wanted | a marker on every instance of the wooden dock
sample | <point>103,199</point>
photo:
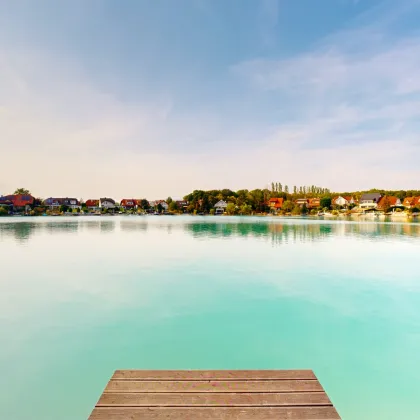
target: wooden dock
<point>214,395</point>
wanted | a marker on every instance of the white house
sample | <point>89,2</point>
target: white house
<point>343,201</point>
<point>107,203</point>
<point>220,207</point>
<point>369,200</point>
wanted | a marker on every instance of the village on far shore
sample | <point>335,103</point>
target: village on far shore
<point>303,201</point>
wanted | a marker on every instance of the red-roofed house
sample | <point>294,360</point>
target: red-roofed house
<point>388,201</point>
<point>409,202</point>
<point>416,202</point>
<point>128,203</point>
<point>275,203</point>
<point>21,202</point>
<point>92,204</point>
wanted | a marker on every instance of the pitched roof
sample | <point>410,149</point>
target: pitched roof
<point>128,202</point>
<point>221,204</point>
<point>371,196</point>
<point>278,202</point>
<point>107,199</point>
<point>92,203</point>
<point>392,201</point>
<point>408,201</point>
<point>21,200</point>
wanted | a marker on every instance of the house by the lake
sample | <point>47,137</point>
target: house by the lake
<point>128,203</point>
<point>56,203</point>
<point>92,205</point>
<point>275,204</point>
<point>107,203</point>
<point>343,201</point>
<point>369,200</point>
<point>302,202</point>
<point>314,203</point>
<point>18,202</point>
<point>220,207</point>
<point>388,201</point>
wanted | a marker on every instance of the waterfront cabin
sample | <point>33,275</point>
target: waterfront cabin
<point>220,207</point>
<point>18,202</point>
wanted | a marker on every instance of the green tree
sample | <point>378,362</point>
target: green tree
<point>144,204</point>
<point>63,208</point>
<point>288,206</point>
<point>173,206</point>
<point>246,209</point>
<point>286,189</point>
<point>23,191</point>
<point>212,212</point>
<point>295,190</point>
<point>3,211</point>
<point>169,200</point>
<point>297,210</point>
<point>159,208</point>
<point>230,208</point>
<point>325,202</point>
<point>304,209</point>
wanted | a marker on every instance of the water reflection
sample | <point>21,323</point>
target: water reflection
<point>279,231</point>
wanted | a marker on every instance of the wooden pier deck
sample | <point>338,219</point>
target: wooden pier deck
<point>214,395</point>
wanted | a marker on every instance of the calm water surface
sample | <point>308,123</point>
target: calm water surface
<point>81,297</point>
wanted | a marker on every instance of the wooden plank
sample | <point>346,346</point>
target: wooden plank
<point>213,399</point>
<point>258,413</point>
<point>214,386</point>
<point>191,375</point>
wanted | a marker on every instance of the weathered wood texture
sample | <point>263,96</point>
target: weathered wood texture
<point>214,395</point>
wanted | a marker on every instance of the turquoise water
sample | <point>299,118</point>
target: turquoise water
<point>81,297</point>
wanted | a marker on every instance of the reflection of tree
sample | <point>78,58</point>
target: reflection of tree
<point>281,233</point>
<point>20,231</point>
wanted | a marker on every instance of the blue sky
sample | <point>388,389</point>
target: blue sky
<point>157,98</point>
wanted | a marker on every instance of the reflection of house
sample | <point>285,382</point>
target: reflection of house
<point>369,200</point>
<point>128,203</point>
<point>220,207</point>
<point>344,201</point>
<point>56,203</point>
<point>314,203</point>
<point>275,204</point>
<point>302,202</point>
<point>107,203</point>
<point>388,201</point>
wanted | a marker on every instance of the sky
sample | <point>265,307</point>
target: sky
<point>157,98</point>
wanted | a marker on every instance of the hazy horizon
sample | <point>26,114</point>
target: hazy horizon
<point>157,99</point>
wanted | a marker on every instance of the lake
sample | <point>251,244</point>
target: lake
<point>83,296</point>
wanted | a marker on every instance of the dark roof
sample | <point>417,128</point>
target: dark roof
<point>371,196</point>
<point>61,201</point>
<point>108,199</point>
